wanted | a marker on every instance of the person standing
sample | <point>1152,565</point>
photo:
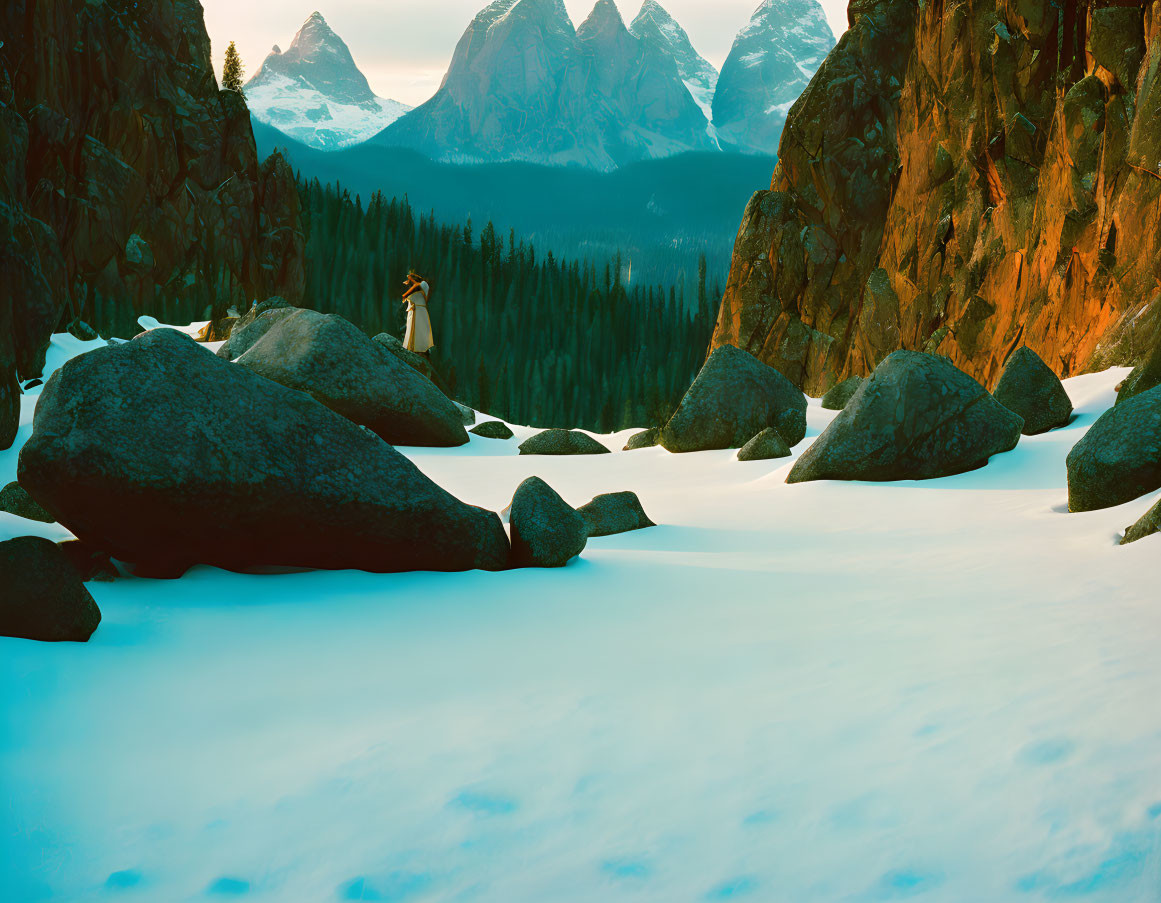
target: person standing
<point>418,337</point>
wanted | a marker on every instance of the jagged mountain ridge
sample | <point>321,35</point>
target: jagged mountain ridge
<point>525,85</point>
<point>962,180</point>
<point>656,27</point>
<point>770,64</point>
<point>315,93</point>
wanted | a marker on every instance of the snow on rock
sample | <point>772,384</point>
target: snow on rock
<point>819,692</point>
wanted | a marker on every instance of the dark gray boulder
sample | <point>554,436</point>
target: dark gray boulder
<point>547,532</point>
<point>837,397</point>
<point>614,512</point>
<point>14,500</point>
<point>1145,376</point>
<point>1149,524</point>
<point>492,429</point>
<point>732,399</point>
<point>252,325</point>
<point>333,361</point>
<point>166,456</point>
<point>644,439</point>
<point>1027,387</point>
<point>1119,458</point>
<point>917,417</point>
<point>562,442</point>
<point>766,445</point>
<point>467,415</point>
<point>41,595</point>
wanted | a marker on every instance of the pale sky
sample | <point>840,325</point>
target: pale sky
<point>404,46</point>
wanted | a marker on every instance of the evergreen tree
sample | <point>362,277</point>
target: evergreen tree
<point>232,71</point>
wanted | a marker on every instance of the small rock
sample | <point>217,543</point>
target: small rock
<point>1149,524</point>
<point>79,329</point>
<point>645,439</point>
<point>1030,389</point>
<point>546,531</point>
<point>33,383</point>
<point>838,396</point>
<point>15,500</point>
<point>43,598</point>
<point>614,512</point>
<point>562,442</point>
<point>492,429</point>
<point>766,445</point>
<point>469,416</point>
<point>1119,458</point>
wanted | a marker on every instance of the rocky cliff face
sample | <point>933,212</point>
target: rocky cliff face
<point>315,93</point>
<point>128,182</point>
<point>962,178</point>
<point>523,84</point>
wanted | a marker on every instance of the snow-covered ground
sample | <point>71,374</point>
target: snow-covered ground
<point>943,691</point>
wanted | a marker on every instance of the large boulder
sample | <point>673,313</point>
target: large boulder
<point>767,445</point>
<point>917,417</point>
<point>1145,376</point>
<point>42,596</point>
<point>1119,458</point>
<point>731,400</point>
<point>546,531</point>
<point>333,361</point>
<point>15,500</point>
<point>165,456</point>
<point>492,429</point>
<point>837,396</point>
<point>614,512</point>
<point>562,442</point>
<point>1030,389</point>
<point>644,439</point>
<point>1149,524</point>
<point>252,325</point>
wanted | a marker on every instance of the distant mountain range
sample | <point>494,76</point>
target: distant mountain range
<point>524,85</point>
<point>316,94</point>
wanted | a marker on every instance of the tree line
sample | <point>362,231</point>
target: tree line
<point>527,337</point>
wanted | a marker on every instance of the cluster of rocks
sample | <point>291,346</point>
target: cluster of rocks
<point>161,455</point>
<point>548,532</point>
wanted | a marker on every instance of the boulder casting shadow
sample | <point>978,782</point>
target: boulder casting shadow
<point>165,456</point>
<point>917,417</point>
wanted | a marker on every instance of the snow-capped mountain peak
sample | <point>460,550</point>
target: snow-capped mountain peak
<point>315,93</point>
<point>604,19</point>
<point>656,28</point>
<point>772,61</point>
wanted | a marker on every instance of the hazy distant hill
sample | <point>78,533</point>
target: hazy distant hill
<point>662,213</point>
